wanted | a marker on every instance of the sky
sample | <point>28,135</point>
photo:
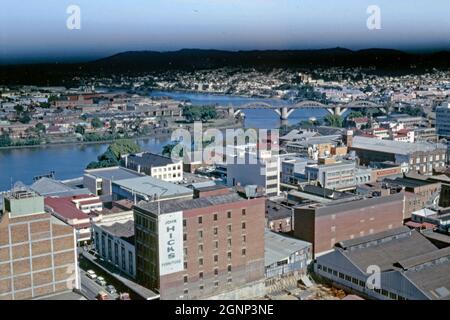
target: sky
<point>36,30</point>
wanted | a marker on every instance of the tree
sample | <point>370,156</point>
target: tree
<point>334,120</point>
<point>25,118</point>
<point>40,127</point>
<point>199,113</point>
<point>80,129</point>
<point>19,109</point>
<point>355,114</point>
<point>111,157</point>
<point>5,140</point>
<point>96,123</point>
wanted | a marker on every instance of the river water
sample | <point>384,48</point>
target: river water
<point>69,161</point>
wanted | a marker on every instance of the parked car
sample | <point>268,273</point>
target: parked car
<point>91,274</point>
<point>124,296</point>
<point>102,295</point>
<point>101,281</point>
<point>110,288</point>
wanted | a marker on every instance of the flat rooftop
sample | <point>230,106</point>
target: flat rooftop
<point>182,204</point>
<point>151,159</point>
<point>394,147</point>
<point>409,182</point>
<point>124,230</point>
<point>278,247</point>
<point>150,186</point>
<point>113,173</point>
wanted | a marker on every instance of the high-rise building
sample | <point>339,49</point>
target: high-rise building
<point>200,248</point>
<point>38,253</point>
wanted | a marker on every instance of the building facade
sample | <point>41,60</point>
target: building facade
<point>199,248</point>
<point>443,120</point>
<point>326,224</point>
<point>38,253</point>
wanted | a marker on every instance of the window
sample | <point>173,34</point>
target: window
<point>130,262</point>
<point>200,275</point>
<point>229,255</point>
<point>185,279</point>
<point>229,242</point>
<point>216,258</point>
<point>216,244</point>
<point>200,234</point>
<point>216,271</point>
<point>244,238</point>
<point>243,225</point>
<point>229,228</point>
<point>244,252</point>
<point>215,217</point>
<point>184,222</point>
<point>200,220</point>
<point>216,284</point>
<point>201,287</point>
<point>229,280</point>
<point>200,261</point>
<point>229,268</point>
<point>216,231</point>
<point>185,265</point>
<point>229,214</point>
<point>122,249</point>
<point>244,212</point>
<point>184,236</point>
<point>200,248</point>
<point>186,291</point>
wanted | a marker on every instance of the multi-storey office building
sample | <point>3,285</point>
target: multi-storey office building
<point>255,168</point>
<point>155,165</point>
<point>337,175</point>
<point>190,249</point>
<point>38,252</point>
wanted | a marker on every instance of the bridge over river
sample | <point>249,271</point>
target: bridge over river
<point>285,111</point>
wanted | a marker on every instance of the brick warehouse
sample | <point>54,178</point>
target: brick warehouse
<point>199,248</point>
<point>326,224</point>
<point>38,254</point>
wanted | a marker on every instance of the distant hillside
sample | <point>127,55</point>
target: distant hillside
<point>137,62</point>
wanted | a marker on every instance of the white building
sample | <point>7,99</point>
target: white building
<point>114,241</point>
<point>250,167</point>
<point>156,166</point>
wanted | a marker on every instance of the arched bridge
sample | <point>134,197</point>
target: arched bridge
<point>285,111</point>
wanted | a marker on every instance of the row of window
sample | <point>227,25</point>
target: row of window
<point>215,217</point>
<point>215,257</point>
<point>359,283</point>
<point>202,287</point>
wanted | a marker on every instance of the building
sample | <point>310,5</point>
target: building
<point>438,218</point>
<point>255,168</point>
<point>419,192</point>
<point>333,175</point>
<point>398,264</point>
<point>285,256</point>
<point>38,253</point>
<point>293,169</point>
<point>420,157</point>
<point>114,241</point>
<point>201,248</point>
<point>99,181</point>
<point>148,188</point>
<point>444,198</point>
<point>77,211</point>
<point>279,217</point>
<point>326,224</point>
<point>155,165</point>
<point>443,120</point>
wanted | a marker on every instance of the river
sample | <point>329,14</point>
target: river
<point>69,161</point>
